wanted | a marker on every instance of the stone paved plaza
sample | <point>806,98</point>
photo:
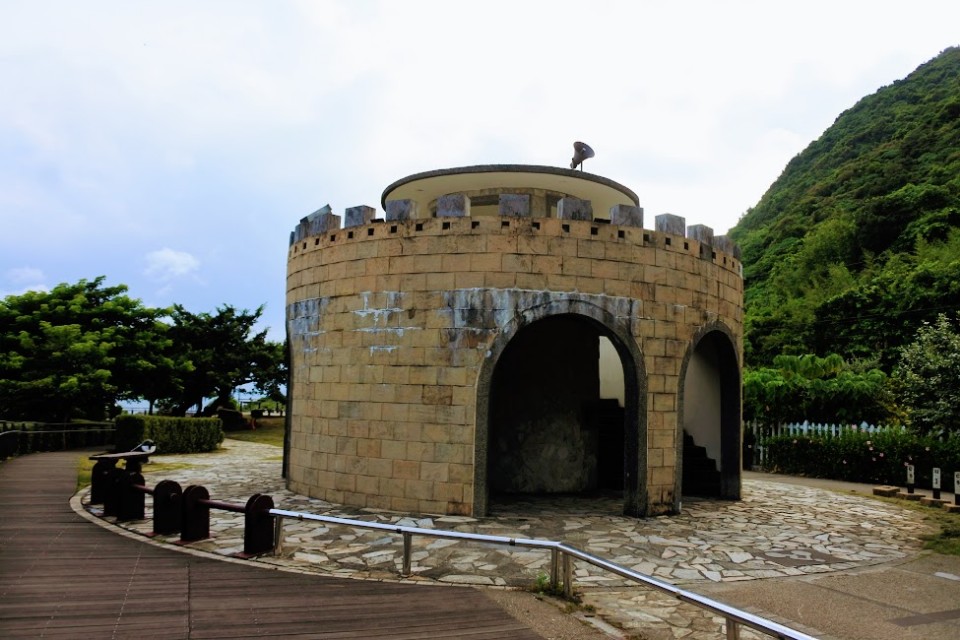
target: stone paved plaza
<point>776,531</point>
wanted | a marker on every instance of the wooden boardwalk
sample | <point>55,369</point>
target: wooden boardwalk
<point>63,577</point>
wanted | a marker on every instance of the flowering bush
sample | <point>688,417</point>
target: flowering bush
<point>857,456</point>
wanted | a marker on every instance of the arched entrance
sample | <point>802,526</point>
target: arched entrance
<point>542,425</point>
<point>710,416</point>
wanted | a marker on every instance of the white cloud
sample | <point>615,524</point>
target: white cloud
<point>168,264</point>
<point>24,275</point>
<point>23,279</point>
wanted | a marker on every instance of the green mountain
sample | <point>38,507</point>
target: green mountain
<point>858,241</point>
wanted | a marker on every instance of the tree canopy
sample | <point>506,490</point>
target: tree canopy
<point>224,354</point>
<point>75,351</point>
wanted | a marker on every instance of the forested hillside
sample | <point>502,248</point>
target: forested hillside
<point>858,241</point>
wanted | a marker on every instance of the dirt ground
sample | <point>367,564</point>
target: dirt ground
<point>547,617</point>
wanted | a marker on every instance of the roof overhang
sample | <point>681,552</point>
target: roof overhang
<point>426,187</point>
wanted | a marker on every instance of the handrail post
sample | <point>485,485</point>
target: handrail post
<point>278,535</point>
<point>733,629</point>
<point>407,545</point>
<point>567,576</point>
<point>554,569</point>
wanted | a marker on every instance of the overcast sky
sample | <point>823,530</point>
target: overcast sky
<point>173,146</point>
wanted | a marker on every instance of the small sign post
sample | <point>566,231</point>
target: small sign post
<point>936,483</point>
<point>956,487</point>
<point>910,478</point>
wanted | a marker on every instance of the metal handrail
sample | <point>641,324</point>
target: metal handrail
<point>39,431</point>
<point>64,432</point>
<point>733,616</point>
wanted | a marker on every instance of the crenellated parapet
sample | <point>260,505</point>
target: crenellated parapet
<point>325,228</point>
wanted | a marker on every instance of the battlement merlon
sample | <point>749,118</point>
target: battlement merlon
<point>510,191</point>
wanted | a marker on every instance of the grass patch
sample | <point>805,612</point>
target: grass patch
<point>268,431</point>
<point>84,469</point>
<point>155,467</point>
<point>947,539</point>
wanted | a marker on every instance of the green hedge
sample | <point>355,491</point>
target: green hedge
<point>21,438</point>
<point>171,435</point>
<point>857,456</point>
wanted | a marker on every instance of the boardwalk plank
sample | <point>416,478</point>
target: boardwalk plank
<point>62,577</point>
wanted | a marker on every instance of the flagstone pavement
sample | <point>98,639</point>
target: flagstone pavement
<point>777,530</point>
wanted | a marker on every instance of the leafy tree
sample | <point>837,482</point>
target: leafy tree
<point>929,377</point>
<point>224,354</point>
<point>75,350</point>
<point>808,387</point>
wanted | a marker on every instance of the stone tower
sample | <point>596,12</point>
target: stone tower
<point>511,329</point>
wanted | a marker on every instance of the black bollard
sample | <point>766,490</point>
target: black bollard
<point>100,478</point>
<point>130,501</point>
<point>167,507</point>
<point>196,514</point>
<point>111,491</point>
<point>258,525</point>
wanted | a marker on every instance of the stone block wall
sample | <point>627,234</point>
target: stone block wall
<point>393,324</point>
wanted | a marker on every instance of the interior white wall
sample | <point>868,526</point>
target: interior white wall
<point>611,372</point>
<point>701,399</point>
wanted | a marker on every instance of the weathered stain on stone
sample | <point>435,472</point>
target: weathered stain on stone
<point>303,323</point>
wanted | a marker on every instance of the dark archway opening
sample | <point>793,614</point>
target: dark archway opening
<point>711,432</point>
<point>551,433</point>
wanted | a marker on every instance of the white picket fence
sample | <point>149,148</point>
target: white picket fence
<point>754,432</point>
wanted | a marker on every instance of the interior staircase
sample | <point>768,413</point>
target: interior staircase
<point>700,474</point>
<point>608,416</point>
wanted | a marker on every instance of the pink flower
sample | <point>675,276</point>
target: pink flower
<point>881,454</point>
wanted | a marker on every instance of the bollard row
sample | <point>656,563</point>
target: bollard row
<point>935,485</point>
<point>185,511</point>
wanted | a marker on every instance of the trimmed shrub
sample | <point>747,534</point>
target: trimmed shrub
<point>171,435</point>
<point>874,458</point>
